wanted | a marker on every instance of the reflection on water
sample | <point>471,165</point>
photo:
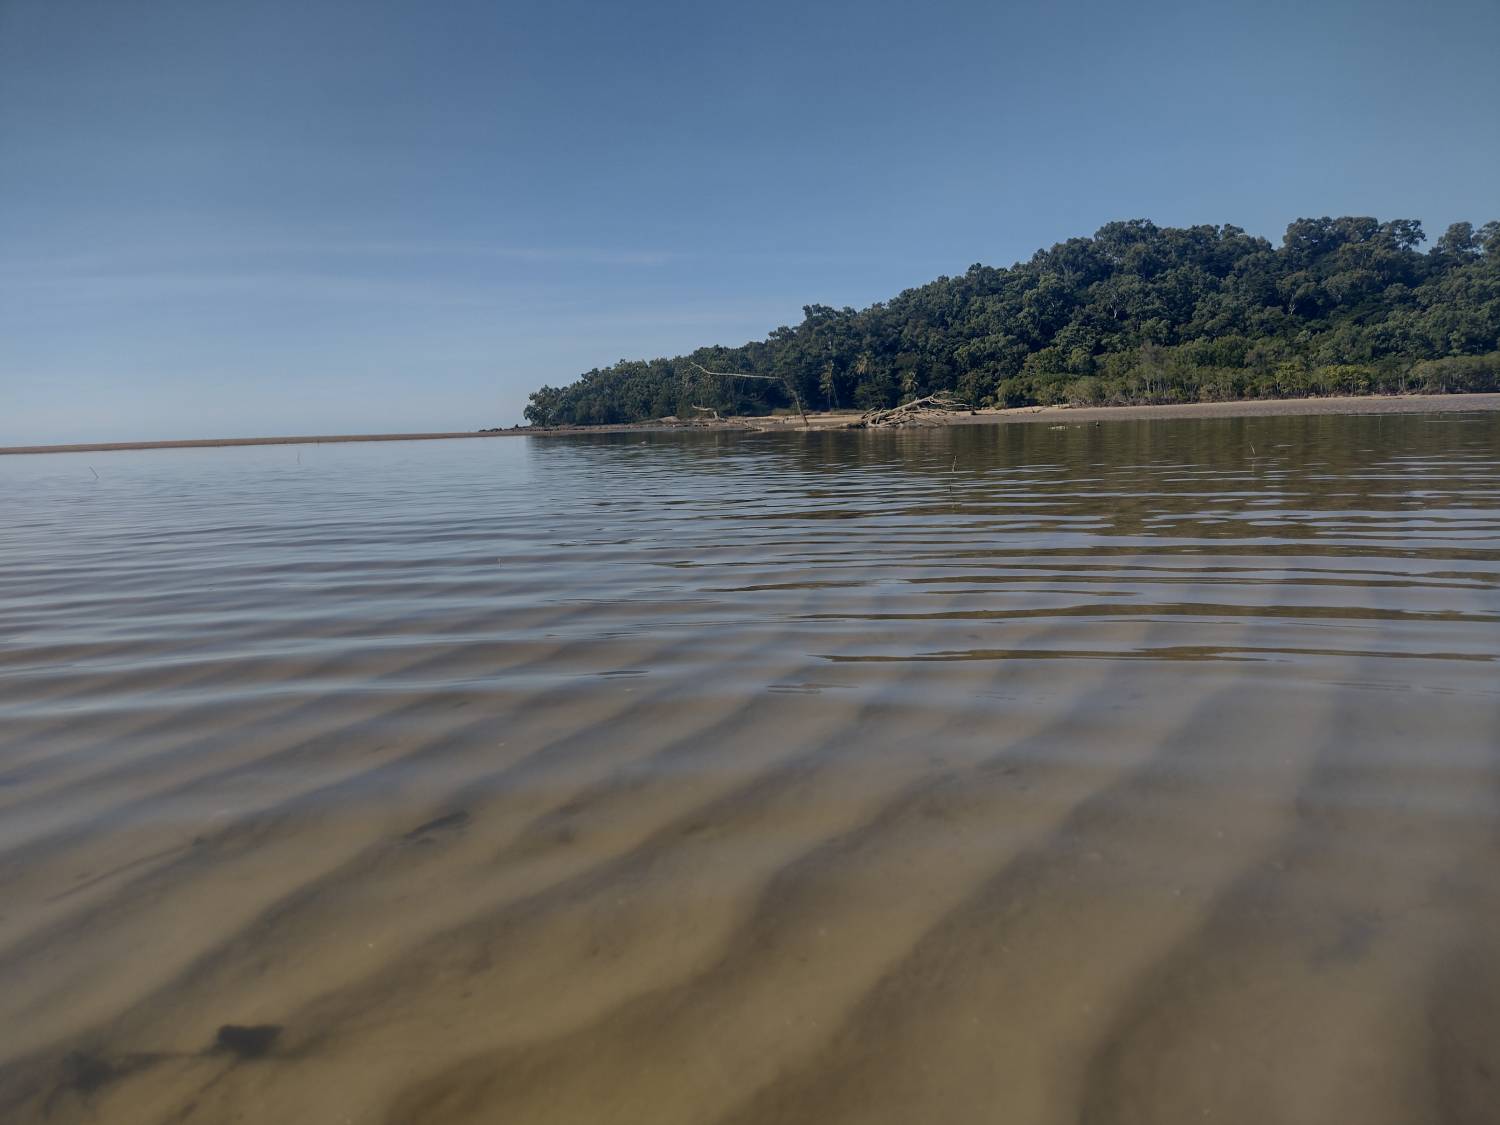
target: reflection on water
<point>1130,772</point>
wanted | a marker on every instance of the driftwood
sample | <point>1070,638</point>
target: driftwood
<point>916,412</point>
<point>705,410</point>
<point>766,378</point>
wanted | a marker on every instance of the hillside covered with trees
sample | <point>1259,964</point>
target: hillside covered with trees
<point>1136,314</point>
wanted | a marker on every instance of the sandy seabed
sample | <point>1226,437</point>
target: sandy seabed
<point>1121,783</point>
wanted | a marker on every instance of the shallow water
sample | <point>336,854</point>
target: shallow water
<point>1139,772</point>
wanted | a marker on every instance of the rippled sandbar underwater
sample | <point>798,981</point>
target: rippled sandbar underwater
<point>1137,772</point>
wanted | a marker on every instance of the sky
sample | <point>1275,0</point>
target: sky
<point>221,218</point>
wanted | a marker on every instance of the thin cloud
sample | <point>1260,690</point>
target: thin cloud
<point>150,260</point>
<point>274,285</point>
<point>554,306</point>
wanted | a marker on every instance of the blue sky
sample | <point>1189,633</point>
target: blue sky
<point>226,218</point>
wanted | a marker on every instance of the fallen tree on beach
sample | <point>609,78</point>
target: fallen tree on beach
<point>917,412</point>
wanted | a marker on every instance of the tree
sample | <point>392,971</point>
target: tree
<point>1146,312</point>
<point>1458,243</point>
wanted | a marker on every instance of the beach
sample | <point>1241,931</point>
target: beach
<point>833,420</point>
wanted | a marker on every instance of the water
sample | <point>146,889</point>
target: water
<point>1134,772</point>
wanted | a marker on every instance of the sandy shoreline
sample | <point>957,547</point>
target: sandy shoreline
<point>1244,408</point>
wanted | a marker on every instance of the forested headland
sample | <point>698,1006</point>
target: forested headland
<point>1136,314</point>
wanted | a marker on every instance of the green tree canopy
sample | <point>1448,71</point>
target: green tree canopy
<point>1137,313</point>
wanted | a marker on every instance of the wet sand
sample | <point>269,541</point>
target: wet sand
<point>1106,774</point>
<point>836,420</point>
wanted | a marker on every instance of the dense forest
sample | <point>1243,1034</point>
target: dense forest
<point>1136,314</point>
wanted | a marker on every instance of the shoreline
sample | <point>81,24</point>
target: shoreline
<point>838,420</point>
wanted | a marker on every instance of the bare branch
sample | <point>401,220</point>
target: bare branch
<point>738,374</point>
<point>787,383</point>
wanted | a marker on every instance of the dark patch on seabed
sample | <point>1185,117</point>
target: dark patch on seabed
<point>248,1042</point>
<point>427,833</point>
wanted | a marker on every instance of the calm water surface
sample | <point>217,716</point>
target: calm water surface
<point>1140,772</point>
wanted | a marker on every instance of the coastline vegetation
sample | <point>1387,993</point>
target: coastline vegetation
<point>1136,314</point>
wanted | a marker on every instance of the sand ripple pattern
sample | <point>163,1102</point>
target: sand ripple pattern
<point>1136,772</point>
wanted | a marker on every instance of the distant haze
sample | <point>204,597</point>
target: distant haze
<point>238,219</point>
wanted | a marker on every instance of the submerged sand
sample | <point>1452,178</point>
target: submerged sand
<point>1078,778</point>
